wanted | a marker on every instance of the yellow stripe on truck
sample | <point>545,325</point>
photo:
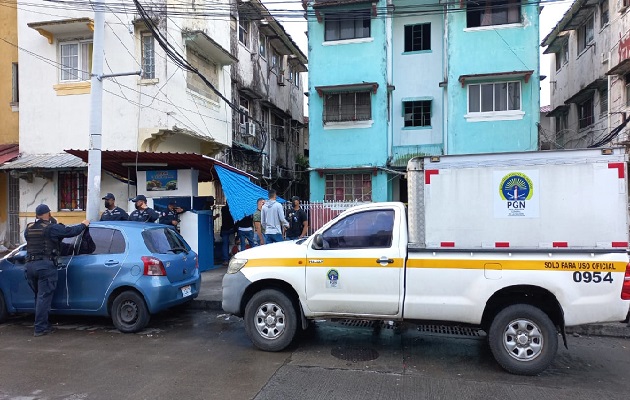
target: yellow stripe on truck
<point>322,262</point>
<point>532,265</point>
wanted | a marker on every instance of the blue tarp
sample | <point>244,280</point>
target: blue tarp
<point>240,192</point>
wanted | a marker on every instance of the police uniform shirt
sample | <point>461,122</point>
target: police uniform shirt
<point>146,215</point>
<point>117,214</point>
<point>168,217</point>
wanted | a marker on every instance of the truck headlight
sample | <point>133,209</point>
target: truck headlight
<point>235,265</point>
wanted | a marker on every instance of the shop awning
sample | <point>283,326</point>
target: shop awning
<point>240,192</point>
<point>44,161</point>
<point>124,163</point>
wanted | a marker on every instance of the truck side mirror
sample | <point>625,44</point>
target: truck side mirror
<point>318,242</point>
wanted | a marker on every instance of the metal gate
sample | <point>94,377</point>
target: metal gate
<point>14,211</point>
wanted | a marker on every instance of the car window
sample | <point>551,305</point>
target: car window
<point>364,229</point>
<point>164,240</point>
<point>67,246</point>
<point>102,241</point>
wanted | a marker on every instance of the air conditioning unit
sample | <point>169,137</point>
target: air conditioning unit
<point>251,129</point>
<point>604,57</point>
<point>281,78</point>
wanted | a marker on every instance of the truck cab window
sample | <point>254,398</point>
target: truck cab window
<point>360,230</point>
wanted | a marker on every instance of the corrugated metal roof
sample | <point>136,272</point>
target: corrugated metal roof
<point>545,109</point>
<point>8,152</point>
<point>45,161</point>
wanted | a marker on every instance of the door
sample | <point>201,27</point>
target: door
<point>92,270</point>
<point>67,249</point>
<point>358,269</point>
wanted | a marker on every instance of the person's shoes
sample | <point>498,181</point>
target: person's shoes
<point>44,333</point>
<point>225,263</point>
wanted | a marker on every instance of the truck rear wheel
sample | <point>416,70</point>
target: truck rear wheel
<point>523,339</point>
<point>270,320</point>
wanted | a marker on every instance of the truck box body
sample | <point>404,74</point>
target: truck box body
<point>575,199</point>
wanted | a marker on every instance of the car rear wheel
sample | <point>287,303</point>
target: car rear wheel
<point>523,339</point>
<point>4,314</point>
<point>270,320</point>
<point>129,312</point>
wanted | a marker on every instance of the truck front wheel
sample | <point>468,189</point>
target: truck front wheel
<point>270,320</point>
<point>523,339</point>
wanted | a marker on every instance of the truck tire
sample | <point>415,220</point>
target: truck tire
<point>523,339</point>
<point>270,320</point>
<point>4,314</point>
<point>129,312</point>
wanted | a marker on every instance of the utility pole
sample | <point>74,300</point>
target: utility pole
<point>96,112</point>
<point>96,116</point>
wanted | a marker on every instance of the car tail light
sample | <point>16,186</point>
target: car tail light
<point>153,266</point>
<point>625,289</point>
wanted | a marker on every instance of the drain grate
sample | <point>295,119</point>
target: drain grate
<point>354,353</point>
<point>450,330</point>
<point>364,323</point>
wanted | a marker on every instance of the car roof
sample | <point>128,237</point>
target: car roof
<point>127,225</point>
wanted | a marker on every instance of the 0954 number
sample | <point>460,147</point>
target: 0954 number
<point>592,277</point>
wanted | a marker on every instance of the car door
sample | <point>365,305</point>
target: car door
<point>357,268</point>
<point>67,249</point>
<point>92,270</point>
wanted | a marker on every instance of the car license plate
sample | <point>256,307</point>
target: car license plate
<point>186,291</point>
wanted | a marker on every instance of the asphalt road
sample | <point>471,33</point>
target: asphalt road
<point>206,355</point>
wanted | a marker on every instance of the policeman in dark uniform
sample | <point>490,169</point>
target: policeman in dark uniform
<point>113,213</point>
<point>143,213</point>
<point>170,216</point>
<point>43,240</point>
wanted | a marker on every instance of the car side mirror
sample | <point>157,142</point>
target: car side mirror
<point>318,242</point>
<point>19,258</point>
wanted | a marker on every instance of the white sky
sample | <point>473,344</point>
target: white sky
<point>549,17</point>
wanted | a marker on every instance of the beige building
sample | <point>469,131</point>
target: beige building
<point>9,134</point>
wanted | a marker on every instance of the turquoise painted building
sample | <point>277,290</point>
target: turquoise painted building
<point>390,80</point>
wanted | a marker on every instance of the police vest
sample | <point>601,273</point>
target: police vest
<point>38,244</point>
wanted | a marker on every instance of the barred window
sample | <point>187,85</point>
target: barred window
<point>350,106</point>
<point>148,56</point>
<point>417,37</point>
<point>72,188</point>
<point>347,25</point>
<point>417,113</point>
<point>348,187</point>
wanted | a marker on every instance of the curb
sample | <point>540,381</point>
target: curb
<point>618,330</point>
<point>210,305</point>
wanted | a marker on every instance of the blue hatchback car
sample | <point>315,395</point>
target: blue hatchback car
<point>125,270</point>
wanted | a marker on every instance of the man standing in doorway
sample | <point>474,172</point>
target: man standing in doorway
<point>113,213</point>
<point>143,213</point>
<point>43,239</point>
<point>298,221</point>
<point>272,218</point>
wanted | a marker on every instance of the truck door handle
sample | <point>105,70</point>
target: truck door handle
<point>111,263</point>
<point>384,260</point>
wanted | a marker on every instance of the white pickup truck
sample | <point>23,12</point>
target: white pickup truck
<point>521,245</point>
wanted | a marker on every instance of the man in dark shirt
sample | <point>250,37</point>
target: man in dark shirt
<point>227,230</point>
<point>143,213</point>
<point>298,221</point>
<point>170,216</point>
<point>43,242</point>
<point>113,213</point>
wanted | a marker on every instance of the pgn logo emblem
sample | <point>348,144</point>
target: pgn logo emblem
<point>516,188</point>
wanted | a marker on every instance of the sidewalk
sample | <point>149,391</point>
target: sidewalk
<point>210,299</point>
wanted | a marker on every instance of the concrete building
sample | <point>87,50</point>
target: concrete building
<point>411,79</point>
<point>9,123</point>
<point>267,87</point>
<point>165,110</point>
<point>587,74</point>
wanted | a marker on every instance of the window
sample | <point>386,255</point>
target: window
<point>603,102</point>
<point>275,61</point>
<point>494,97</point>
<point>562,124</point>
<point>296,82</point>
<point>164,241</point>
<point>627,81</point>
<point>603,13</point>
<point>207,69</point>
<point>352,106</point>
<point>347,25</point>
<point>102,241</point>
<point>148,56</point>
<point>585,113</point>
<point>72,188</point>
<point>417,113</point>
<point>492,12</point>
<point>365,229</point>
<point>76,61</point>
<point>262,45</point>
<point>15,90</point>
<point>562,56</point>
<point>417,37</point>
<point>244,107</point>
<point>348,187</point>
<point>243,31</point>
<point>585,35</point>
